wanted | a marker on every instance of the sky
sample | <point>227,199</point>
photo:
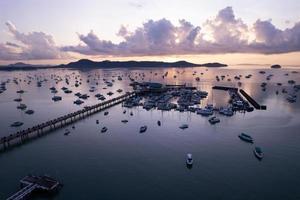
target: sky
<point>59,31</point>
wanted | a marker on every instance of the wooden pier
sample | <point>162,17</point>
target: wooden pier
<point>38,130</point>
<point>31,183</point>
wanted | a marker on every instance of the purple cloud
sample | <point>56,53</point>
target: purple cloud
<point>33,45</point>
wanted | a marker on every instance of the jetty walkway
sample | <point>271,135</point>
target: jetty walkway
<point>62,121</point>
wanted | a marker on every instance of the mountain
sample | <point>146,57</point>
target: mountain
<point>20,64</point>
<point>87,64</point>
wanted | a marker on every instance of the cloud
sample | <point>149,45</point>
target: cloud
<point>223,33</point>
<point>33,45</point>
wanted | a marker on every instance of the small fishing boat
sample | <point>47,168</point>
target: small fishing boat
<point>158,123</point>
<point>16,124</point>
<point>189,159</point>
<point>29,112</point>
<point>258,153</point>
<point>143,129</point>
<point>67,132</point>
<point>124,121</point>
<point>184,126</point>
<point>246,138</point>
<point>97,121</point>
<point>106,113</point>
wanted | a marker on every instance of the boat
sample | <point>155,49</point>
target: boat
<point>67,132</point>
<point>103,130</point>
<point>214,120</point>
<point>131,113</point>
<point>158,123</point>
<point>246,138</point>
<point>22,106</point>
<point>124,121</point>
<point>258,153</point>
<point>97,121</point>
<point>78,102</point>
<point>124,111</point>
<point>183,126</point>
<point>16,124</point>
<point>18,100</point>
<point>143,129</point>
<point>205,112</point>
<point>56,98</point>
<point>29,112</point>
<point>106,113</point>
<point>189,159</point>
<point>110,93</point>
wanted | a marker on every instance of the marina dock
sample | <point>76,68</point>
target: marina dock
<point>252,101</point>
<point>38,130</point>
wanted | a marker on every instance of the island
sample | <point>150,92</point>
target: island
<point>88,64</point>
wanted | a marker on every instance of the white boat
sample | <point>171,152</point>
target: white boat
<point>214,120</point>
<point>258,153</point>
<point>189,159</point>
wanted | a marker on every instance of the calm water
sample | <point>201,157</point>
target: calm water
<point>124,164</point>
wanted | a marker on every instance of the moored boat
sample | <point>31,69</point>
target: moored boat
<point>143,129</point>
<point>246,138</point>
<point>258,153</point>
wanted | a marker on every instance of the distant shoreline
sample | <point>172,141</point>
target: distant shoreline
<point>89,64</point>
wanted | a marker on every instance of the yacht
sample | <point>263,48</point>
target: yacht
<point>214,120</point>
<point>183,126</point>
<point>258,153</point>
<point>143,129</point>
<point>246,138</point>
<point>189,159</point>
